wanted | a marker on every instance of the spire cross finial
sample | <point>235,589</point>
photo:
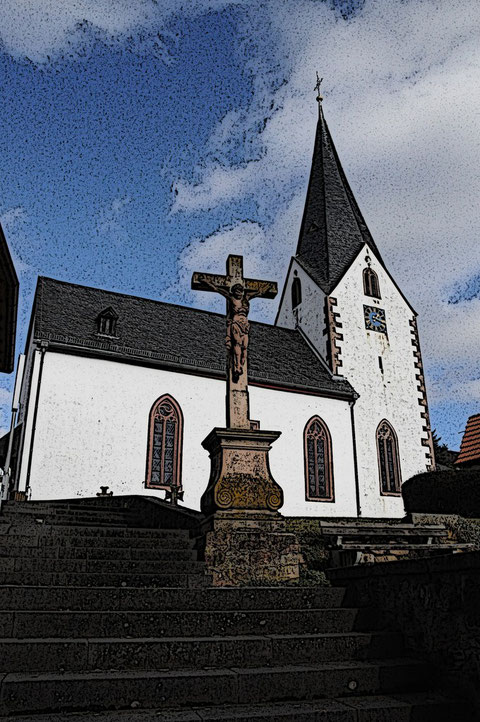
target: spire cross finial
<point>317,88</point>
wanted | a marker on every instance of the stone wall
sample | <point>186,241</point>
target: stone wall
<point>461,529</point>
<point>435,603</point>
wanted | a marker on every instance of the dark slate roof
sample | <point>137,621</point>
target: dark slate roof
<point>174,336</point>
<point>333,229</point>
<point>470,446</point>
<point>8,307</point>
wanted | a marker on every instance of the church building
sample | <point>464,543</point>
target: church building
<point>120,391</point>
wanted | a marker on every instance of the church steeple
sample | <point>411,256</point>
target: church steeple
<point>333,229</point>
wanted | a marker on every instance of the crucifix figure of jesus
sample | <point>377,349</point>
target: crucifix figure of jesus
<point>238,291</point>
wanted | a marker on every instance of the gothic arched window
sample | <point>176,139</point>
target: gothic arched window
<point>165,437</point>
<point>296,292</point>
<point>371,286</point>
<point>318,461</point>
<point>388,459</point>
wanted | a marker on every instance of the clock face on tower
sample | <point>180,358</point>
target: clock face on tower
<point>375,319</point>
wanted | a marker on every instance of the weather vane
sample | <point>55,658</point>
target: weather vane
<point>317,88</point>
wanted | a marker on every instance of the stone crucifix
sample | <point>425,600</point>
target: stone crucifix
<point>238,292</point>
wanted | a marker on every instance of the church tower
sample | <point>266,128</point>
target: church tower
<point>341,297</point>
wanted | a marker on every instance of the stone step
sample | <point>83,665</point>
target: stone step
<point>97,515</point>
<point>57,531</point>
<point>387,532</point>
<point>434,548</point>
<point>59,654</point>
<point>364,524</point>
<point>75,522</point>
<point>46,537</point>
<point>43,507</point>
<point>186,553</point>
<point>24,624</point>
<point>398,708</point>
<point>418,707</point>
<point>169,599</point>
<point>99,566</point>
<point>70,691</point>
<point>92,579</point>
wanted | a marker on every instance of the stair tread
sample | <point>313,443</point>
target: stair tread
<point>249,711</point>
<point>66,528</point>
<point>394,545</point>
<point>194,639</point>
<point>211,671</point>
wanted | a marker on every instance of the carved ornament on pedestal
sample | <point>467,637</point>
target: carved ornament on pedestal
<point>240,476</point>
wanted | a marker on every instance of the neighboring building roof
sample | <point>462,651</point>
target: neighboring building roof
<point>333,230</point>
<point>8,307</point>
<point>470,446</point>
<point>174,336</point>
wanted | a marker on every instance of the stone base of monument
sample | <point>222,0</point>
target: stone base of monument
<point>250,547</point>
<point>244,536</point>
<point>240,476</point>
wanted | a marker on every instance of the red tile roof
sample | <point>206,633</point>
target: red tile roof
<point>470,446</point>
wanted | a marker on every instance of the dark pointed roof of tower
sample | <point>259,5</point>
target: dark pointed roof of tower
<point>333,229</point>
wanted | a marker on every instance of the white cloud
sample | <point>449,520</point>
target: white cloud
<point>5,410</point>
<point>111,220</point>
<point>246,238</point>
<point>402,100</point>
<point>209,255</point>
<point>42,29</point>
<point>5,397</point>
<point>12,216</point>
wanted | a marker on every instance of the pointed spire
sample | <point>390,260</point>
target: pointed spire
<point>333,229</point>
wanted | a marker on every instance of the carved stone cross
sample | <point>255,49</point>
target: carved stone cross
<point>238,291</point>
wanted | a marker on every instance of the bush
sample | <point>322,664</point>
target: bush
<point>443,492</point>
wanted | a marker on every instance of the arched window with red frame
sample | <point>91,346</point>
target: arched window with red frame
<point>388,460</point>
<point>371,285</point>
<point>318,461</point>
<point>165,441</point>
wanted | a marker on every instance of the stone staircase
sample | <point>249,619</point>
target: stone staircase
<point>357,541</point>
<point>103,620</point>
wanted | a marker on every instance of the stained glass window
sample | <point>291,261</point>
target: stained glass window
<point>165,444</point>
<point>388,459</point>
<point>318,461</point>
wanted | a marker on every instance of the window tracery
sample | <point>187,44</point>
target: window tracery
<point>164,455</point>
<point>318,461</point>
<point>388,459</point>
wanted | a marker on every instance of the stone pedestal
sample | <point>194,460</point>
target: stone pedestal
<point>244,535</point>
<point>240,475</point>
<point>250,547</point>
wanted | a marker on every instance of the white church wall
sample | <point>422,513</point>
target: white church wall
<point>392,394</point>
<point>26,415</point>
<point>309,315</point>
<point>92,428</point>
<point>287,454</point>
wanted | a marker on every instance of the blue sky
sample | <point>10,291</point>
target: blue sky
<point>144,142</point>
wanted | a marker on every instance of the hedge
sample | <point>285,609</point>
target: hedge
<point>443,492</point>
